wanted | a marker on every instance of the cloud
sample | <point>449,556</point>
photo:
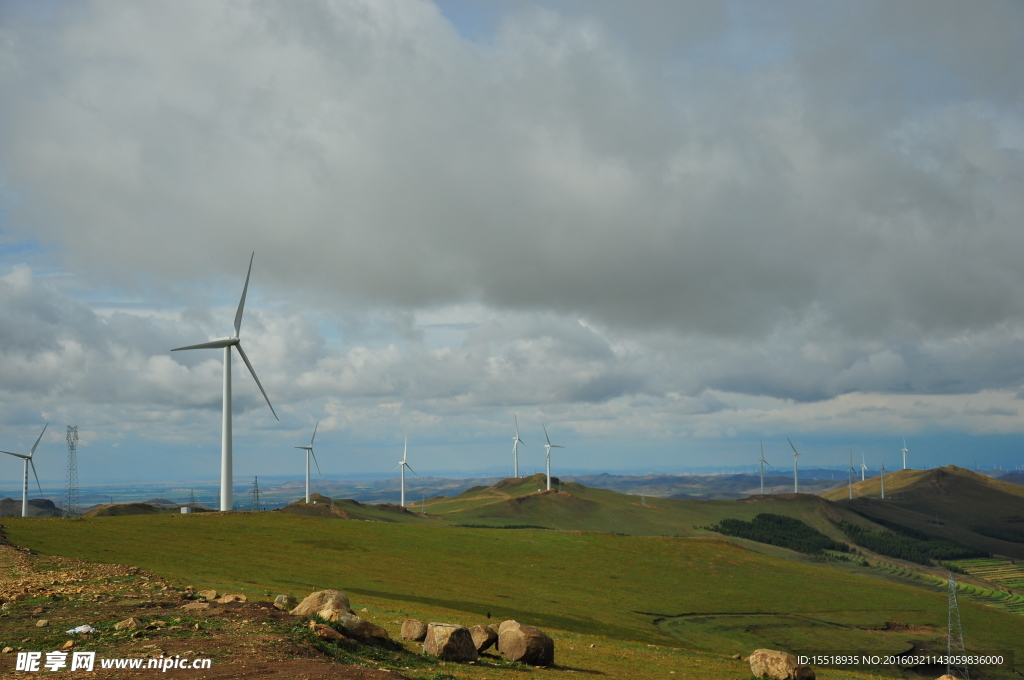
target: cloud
<point>642,216</point>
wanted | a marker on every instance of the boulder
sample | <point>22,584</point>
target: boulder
<point>449,641</point>
<point>42,623</point>
<point>231,597</point>
<point>414,629</point>
<point>284,602</point>
<point>327,604</point>
<point>208,594</point>
<point>484,637</point>
<point>131,623</point>
<point>770,663</point>
<point>518,642</point>
<point>361,629</point>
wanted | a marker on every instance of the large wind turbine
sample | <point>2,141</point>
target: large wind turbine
<point>863,466</point>
<point>226,492</point>
<point>547,450</point>
<point>28,461</point>
<point>852,471</point>
<point>796,478</point>
<point>403,465</point>
<point>904,449</point>
<point>516,441</point>
<point>309,452</point>
<point>763,462</point>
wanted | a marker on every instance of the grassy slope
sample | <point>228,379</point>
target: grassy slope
<point>581,582</point>
<point>577,507</point>
<point>958,497</point>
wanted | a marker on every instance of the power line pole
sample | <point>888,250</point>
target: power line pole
<point>954,633</point>
<point>71,488</point>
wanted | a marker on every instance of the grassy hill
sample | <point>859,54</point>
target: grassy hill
<point>695,593</point>
<point>517,502</point>
<point>346,508</point>
<point>950,502</point>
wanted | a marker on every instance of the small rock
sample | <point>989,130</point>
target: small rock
<point>68,645</point>
<point>7,650</point>
<point>42,623</point>
<point>484,637</point>
<point>518,642</point>
<point>284,602</point>
<point>131,623</point>
<point>37,610</point>
<point>195,605</point>
<point>231,597</point>
<point>737,656</point>
<point>449,641</point>
<point>208,594</point>
<point>414,629</point>
<point>325,632</point>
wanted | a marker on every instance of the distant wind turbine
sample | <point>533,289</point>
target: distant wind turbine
<point>403,465</point>
<point>882,469</point>
<point>547,450</point>
<point>516,441</point>
<point>763,462</point>
<point>863,466</point>
<point>796,478</point>
<point>309,452</point>
<point>226,475</point>
<point>852,471</point>
<point>28,461</point>
<point>904,453</point>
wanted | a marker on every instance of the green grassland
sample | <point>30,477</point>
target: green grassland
<point>691,593</point>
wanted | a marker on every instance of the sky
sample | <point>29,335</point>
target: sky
<point>667,231</point>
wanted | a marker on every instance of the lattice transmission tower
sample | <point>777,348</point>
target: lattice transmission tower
<point>71,488</point>
<point>954,634</point>
<point>255,493</point>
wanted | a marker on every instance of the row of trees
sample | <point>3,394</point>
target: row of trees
<point>908,544</point>
<point>1010,534</point>
<point>785,532</point>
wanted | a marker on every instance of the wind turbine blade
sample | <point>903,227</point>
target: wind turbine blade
<point>241,303</point>
<point>411,470</point>
<point>219,343</point>
<point>241,353</point>
<point>557,446</point>
<point>405,451</point>
<point>795,452</point>
<point>314,460</point>
<point>546,434</point>
<point>33,451</point>
<point>517,426</point>
<point>762,450</point>
<point>314,433</point>
<point>16,455</point>
<point>36,475</point>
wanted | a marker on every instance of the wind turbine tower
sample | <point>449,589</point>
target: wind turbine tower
<point>404,464</point>
<point>309,452</point>
<point>882,470</point>
<point>863,466</point>
<point>28,461</point>
<point>226,474</point>
<point>852,470</point>
<point>547,450</point>
<point>516,441</point>
<point>796,477</point>
<point>763,462</point>
<point>904,453</point>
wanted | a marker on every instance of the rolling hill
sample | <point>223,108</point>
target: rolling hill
<point>950,502</point>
